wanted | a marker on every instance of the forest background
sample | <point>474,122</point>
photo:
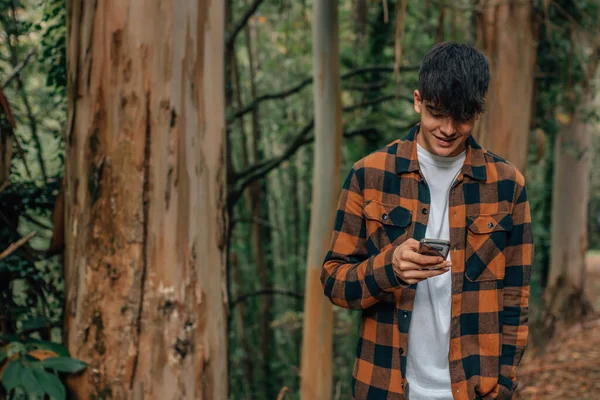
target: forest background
<point>100,290</point>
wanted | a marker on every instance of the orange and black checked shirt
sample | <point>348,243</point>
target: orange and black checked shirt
<point>384,201</point>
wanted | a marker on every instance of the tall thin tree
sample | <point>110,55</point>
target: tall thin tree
<point>316,362</point>
<point>145,199</point>
<point>565,296</point>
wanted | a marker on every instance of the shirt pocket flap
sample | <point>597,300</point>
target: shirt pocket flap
<point>387,214</point>
<point>485,224</point>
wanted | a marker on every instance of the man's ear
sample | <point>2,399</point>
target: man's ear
<point>417,101</point>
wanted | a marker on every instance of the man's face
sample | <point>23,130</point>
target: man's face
<point>438,134</point>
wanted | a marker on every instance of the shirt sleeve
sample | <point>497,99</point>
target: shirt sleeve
<point>515,315</point>
<point>349,276</point>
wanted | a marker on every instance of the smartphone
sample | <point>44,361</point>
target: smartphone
<point>434,247</point>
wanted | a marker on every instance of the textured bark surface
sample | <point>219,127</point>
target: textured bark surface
<point>145,199</point>
<point>506,35</point>
<point>565,297</point>
<point>7,124</point>
<point>316,362</point>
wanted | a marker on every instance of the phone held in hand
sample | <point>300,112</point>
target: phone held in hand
<point>434,247</point>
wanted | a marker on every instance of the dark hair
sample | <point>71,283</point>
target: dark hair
<point>454,78</point>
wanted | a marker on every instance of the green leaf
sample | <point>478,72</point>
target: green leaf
<point>11,378</point>
<point>34,323</point>
<point>64,364</point>
<point>2,356</point>
<point>51,384</point>
<point>43,344</point>
<point>30,382</point>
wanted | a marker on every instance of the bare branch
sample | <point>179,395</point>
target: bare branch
<point>295,89</point>
<point>21,88</point>
<point>29,253</point>
<point>261,168</point>
<point>14,246</point>
<point>17,70</point>
<point>368,87</point>
<point>240,25</point>
<point>282,393</point>
<point>37,222</point>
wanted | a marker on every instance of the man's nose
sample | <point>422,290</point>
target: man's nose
<point>448,127</point>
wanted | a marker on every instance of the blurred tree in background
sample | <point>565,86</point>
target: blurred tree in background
<point>547,64</point>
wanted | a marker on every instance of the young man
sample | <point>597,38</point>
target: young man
<point>435,329</point>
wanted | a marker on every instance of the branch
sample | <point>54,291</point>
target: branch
<point>21,87</point>
<point>14,246</point>
<point>368,87</point>
<point>240,25</point>
<point>282,393</point>
<point>18,68</point>
<point>35,221</point>
<point>263,167</point>
<point>29,253</point>
<point>295,89</point>
<point>369,133</point>
<point>268,292</point>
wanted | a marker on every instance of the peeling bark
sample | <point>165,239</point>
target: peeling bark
<point>506,35</point>
<point>145,199</point>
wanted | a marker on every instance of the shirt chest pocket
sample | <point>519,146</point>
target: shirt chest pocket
<point>485,258</point>
<point>386,224</point>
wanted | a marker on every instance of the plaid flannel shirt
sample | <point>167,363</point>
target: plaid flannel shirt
<point>386,200</point>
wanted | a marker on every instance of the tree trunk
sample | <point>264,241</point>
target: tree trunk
<point>255,205</point>
<point>7,125</point>
<point>565,296</point>
<point>316,363</point>
<point>506,35</point>
<point>247,357</point>
<point>145,199</point>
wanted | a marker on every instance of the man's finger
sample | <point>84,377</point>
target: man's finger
<point>408,265</point>
<point>412,244</point>
<point>423,274</point>
<point>421,258</point>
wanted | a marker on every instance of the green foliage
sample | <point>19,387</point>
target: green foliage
<point>32,367</point>
<point>64,364</point>
<point>31,286</point>
<point>54,44</point>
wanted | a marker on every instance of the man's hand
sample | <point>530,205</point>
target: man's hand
<point>408,264</point>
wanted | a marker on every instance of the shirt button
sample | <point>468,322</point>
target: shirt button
<point>490,225</point>
<point>401,350</point>
<point>425,211</point>
<point>384,217</point>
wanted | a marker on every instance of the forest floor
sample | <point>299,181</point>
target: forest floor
<point>569,368</point>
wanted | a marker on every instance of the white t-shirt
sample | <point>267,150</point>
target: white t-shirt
<point>427,370</point>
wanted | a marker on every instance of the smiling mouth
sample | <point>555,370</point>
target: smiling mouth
<point>447,140</point>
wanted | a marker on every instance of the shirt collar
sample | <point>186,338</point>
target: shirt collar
<point>407,161</point>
